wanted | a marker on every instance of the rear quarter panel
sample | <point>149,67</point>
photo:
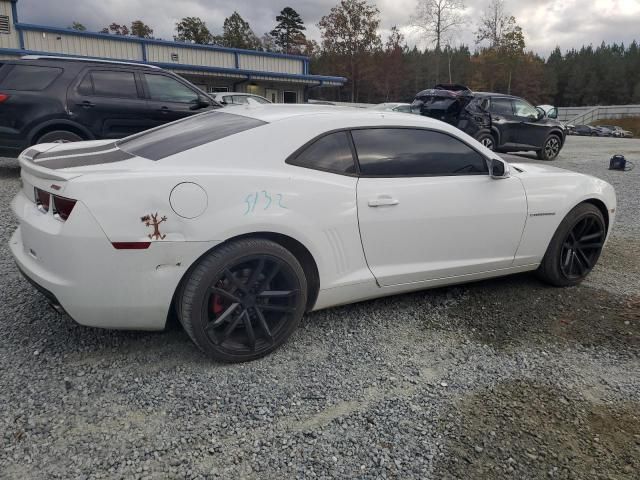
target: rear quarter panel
<point>249,189</point>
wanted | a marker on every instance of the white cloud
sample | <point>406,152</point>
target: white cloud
<point>546,23</point>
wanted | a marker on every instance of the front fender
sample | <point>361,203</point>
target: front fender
<point>551,195</point>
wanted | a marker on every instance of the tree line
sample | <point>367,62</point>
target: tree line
<point>380,70</point>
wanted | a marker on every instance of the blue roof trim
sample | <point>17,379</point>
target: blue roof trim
<point>187,67</point>
<point>150,41</point>
<point>253,73</point>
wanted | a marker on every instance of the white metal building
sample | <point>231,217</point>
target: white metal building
<point>279,77</point>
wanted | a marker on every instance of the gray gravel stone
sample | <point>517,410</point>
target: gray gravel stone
<point>532,377</point>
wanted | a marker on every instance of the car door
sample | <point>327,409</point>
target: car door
<point>530,129</point>
<point>170,99</point>
<point>109,102</point>
<point>428,208</point>
<point>504,120</point>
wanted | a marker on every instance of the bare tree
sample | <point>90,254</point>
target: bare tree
<point>438,18</point>
<point>493,24</point>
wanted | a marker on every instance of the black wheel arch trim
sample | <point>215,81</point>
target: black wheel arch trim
<point>560,134</point>
<point>297,249</point>
<point>39,129</point>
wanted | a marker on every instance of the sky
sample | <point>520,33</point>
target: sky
<point>546,23</point>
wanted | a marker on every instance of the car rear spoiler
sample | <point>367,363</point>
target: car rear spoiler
<point>29,166</point>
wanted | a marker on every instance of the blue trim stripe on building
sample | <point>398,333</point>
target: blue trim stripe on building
<point>151,41</point>
<point>181,66</point>
<point>14,15</point>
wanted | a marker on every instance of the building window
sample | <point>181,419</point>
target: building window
<point>211,89</point>
<point>4,24</point>
<point>290,97</point>
<point>174,57</point>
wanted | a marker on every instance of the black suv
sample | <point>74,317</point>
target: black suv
<point>500,122</point>
<point>59,99</point>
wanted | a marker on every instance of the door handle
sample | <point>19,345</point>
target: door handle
<point>164,110</point>
<point>86,104</point>
<point>383,201</point>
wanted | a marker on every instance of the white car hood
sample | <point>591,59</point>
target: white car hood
<point>536,168</point>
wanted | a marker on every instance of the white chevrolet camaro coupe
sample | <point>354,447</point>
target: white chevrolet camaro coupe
<point>241,221</point>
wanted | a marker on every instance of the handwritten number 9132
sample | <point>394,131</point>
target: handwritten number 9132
<point>263,200</point>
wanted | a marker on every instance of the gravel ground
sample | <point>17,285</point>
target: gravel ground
<point>499,379</point>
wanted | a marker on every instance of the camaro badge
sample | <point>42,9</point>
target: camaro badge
<point>151,220</point>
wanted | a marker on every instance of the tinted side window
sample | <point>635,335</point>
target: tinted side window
<point>523,109</point>
<point>330,153</point>
<point>168,89</point>
<point>501,105</point>
<point>239,99</point>
<point>190,132</point>
<point>30,77</point>
<point>258,99</point>
<point>394,152</point>
<point>111,83</point>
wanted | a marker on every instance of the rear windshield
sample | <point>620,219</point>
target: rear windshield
<point>30,77</point>
<point>185,134</point>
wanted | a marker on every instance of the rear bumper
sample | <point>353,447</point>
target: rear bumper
<point>51,298</point>
<point>76,267</point>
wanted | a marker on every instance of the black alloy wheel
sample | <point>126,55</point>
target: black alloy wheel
<point>243,300</point>
<point>551,148</point>
<point>582,247</point>
<point>575,247</point>
<point>250,303</point>
<point>488,141</point>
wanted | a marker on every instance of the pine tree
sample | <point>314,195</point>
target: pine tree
<point>288,32</point>
<point>237,33</point>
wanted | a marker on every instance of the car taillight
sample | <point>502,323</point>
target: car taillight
<point>3,97</point>
<point>42,200</point>
<point>130,245</point>
<point>62,207</point>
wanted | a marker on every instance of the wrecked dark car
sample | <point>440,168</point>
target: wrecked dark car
<point>503,123</point>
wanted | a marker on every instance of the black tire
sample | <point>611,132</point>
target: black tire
<point>235,308</point>
<point>551,148</point>
<point>572,245</point>
<point>59,136</point>
<point>487,140</point>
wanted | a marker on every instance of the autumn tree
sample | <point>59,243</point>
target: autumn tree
<point>236,33</point>
<point>116,29</point>
<point>391,66</point>
<point>350,34</point>
<point>140,29</point>
<point>493,24</point>
<point>268,43</point>
<point>438,19</point>
<point>288,33</point>
<point>77,26</point>
<point>511,48</point>
<point>193,30</point>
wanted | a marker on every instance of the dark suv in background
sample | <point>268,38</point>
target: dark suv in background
<point>500,122</point>
<point>61,99</point>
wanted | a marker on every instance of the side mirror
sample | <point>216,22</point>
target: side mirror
<point>199,103</point>
<point>499,169</point>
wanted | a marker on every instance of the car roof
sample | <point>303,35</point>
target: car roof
<point>493,94</point>
<point>274,112</point>
<point>56,59</point>
<point>238,93</point>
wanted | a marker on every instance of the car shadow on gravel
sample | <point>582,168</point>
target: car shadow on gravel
<point>521,429</point>
<point>9,169</point>
<point>519,310</point>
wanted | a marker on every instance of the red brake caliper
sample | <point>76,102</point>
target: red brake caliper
<point>216,305</point>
